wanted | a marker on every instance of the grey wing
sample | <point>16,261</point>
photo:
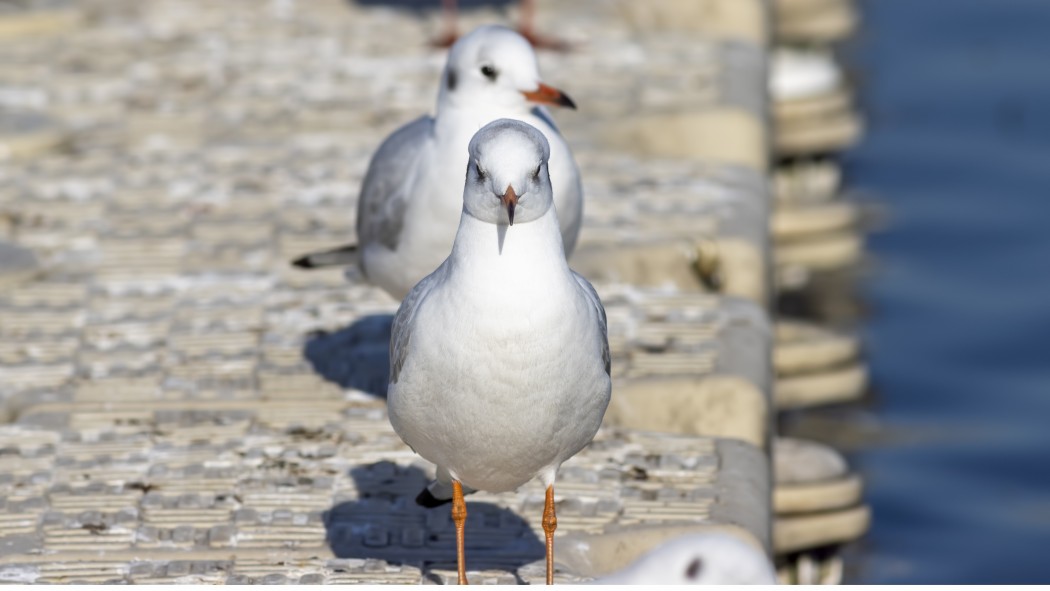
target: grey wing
<point>401,330</point>
<point>386,188</point>
<point>603,322</point>
<point>544,114</point>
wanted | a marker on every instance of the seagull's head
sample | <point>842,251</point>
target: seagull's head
<point>507,179</point>
<point>714,558</point>
<point>495,66</point>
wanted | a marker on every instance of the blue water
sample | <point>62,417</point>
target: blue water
<point>956,95</point>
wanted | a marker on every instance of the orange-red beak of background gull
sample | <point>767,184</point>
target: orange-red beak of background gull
<point>548,95</point>
<point>509,201</point>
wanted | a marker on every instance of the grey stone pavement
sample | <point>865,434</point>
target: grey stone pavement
<point>184,406</point>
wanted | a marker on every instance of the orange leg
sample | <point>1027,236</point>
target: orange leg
<point>528,12</point>
<point>459,517</point>
<point>449,10</point>
<point>550,523</point>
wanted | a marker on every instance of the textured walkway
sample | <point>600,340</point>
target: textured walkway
<point>183,405</point>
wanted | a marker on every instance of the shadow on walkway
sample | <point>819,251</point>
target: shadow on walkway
<point>357,356</point>
<point>386,523</point>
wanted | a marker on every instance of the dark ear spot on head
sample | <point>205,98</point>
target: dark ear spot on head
<point>450,79</point>
<point>693,570</point>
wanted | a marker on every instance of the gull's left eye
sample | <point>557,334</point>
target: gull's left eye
<point>489,72</point>
<point>536,173</point>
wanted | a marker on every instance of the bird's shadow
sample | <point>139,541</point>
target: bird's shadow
<point>357,356</point>
<point>384,522</point>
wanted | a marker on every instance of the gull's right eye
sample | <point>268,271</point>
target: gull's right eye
<point>480,173</point>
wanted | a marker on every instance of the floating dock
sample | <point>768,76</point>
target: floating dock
<point>181,405</point>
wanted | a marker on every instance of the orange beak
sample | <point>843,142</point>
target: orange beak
<point>510,200</point>
<point>548,95</point>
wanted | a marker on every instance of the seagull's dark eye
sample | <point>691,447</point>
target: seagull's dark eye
<point>489,72</point>
<point>479,172</point>
<point>693,570</point>
<point>536,173</point>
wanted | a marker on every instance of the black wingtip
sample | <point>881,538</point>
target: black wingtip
<point>343,255</point>
<point>428,500</point>
<point>303,262</point>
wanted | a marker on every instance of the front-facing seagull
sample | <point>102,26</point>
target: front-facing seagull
<point>410,199</point>
<point>499,359</point>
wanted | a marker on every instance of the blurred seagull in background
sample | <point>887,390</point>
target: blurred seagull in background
<point>410,199</point>
<point>499,359</point>
<point>714,558</point>
<point>525,27</point>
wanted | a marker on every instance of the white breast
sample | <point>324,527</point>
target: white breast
<point>507,380</point>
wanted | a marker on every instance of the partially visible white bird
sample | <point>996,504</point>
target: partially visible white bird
<point>411,197</point>
<point>714,558</point>
<point>499,359</point>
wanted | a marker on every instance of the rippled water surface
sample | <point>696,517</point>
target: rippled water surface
<point>957,151</point>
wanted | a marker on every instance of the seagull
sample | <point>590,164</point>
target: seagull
<point>525,27</point>
<point>499,359</point>
<point>714,558</point>
<point>410,200</point>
